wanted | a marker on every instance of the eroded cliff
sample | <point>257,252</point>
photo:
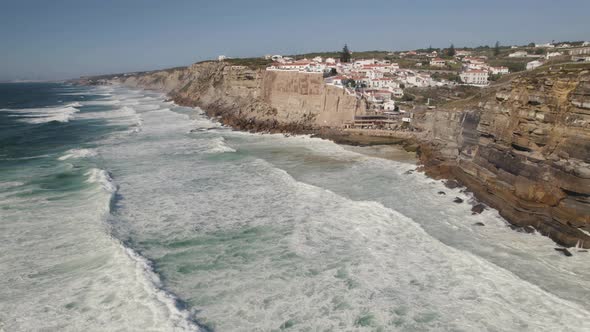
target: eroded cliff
<point>524,148</point>
<point>255,99</point>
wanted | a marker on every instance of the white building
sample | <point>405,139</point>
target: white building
<point>533,64</point>
<point>374,74</point>
<point>499,70</point>
<point>474,77</point>
<point>518,54</point>
<point>336,80</point>
<point>382,83</point>
<point>389,105</point>
<point>437,62</point>
<point>221,58</point>
<point>553,55</point>
<point>331,60</point>
<point>547,45</point>
<point>363,62</point>
<point>475,66</point>
<point>420,80</point>
<point>317,59</point>
<point>397,92</point>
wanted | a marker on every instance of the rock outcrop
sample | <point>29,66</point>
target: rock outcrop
<point>523,148</point>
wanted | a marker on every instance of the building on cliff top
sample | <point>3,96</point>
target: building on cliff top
<point>475,77</point>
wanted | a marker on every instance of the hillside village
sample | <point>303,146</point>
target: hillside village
<point>384,79</point>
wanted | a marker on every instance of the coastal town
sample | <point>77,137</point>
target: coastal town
<point>390,82</point>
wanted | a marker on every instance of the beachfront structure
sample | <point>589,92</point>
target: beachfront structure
<point>533,64</point>
<point>474,77</point>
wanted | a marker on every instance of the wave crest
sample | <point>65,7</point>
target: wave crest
<point>78,153</point>
<point>218,145</point>
<point>47,114</point>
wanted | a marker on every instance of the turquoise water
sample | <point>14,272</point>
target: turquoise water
<point>120,211</point>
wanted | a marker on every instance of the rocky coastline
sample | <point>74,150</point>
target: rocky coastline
<point>522,146</point>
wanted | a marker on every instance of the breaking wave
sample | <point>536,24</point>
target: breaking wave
<point>46,114</point>
<point>78,153</point>
<point>218,145</point>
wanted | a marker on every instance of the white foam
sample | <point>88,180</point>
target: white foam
<point>67,273</point>
<point>46,114</point>
<point>218,145</point>
<point>102,102</point>
<point>103,178</point>
<point>125,115</point>
<point>10,184</point>
<point>85,93</point>
<point>78,153</point>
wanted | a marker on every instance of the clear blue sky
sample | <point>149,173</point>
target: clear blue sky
<point>55,39</point>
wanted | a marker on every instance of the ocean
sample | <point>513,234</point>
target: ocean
<point>121,211</point>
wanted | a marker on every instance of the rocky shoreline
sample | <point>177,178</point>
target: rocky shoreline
<point>522,147</point>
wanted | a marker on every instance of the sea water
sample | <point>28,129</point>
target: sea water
<point>120,211</point>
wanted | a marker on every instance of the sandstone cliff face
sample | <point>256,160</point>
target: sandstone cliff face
<point>256,99</point>
<point>524,149</point>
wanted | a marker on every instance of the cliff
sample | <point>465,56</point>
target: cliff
<point>523,147</point>
<point>256,99</point>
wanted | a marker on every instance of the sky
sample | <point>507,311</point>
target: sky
<point>59,39</point>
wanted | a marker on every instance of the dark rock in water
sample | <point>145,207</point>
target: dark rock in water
<point>524,229</point>
<point>479,224</point>
<point>564,251</point>
<point>442,193</point>
<point>451,184</point>
<point>529,229</point>
<point>478,208</point>
<point>409,172</point>
<point>458,200</point>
